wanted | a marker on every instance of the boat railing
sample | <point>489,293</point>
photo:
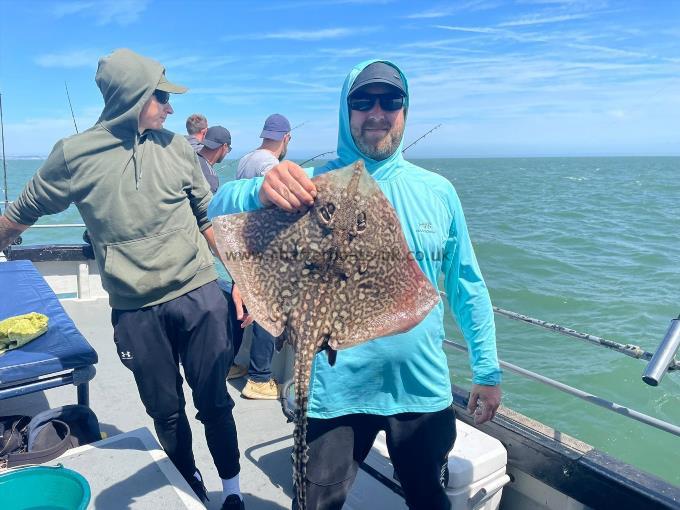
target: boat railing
<point>61,225</point>
<point>670,363</point>
<point>660,362</point>
<point>19,240</point>
<point>289,407</point>
<point>588,397</point>
<point>632,350</point>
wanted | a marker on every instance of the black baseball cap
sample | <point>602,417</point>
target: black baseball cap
<point>216,136</point>
<point>379,72</point>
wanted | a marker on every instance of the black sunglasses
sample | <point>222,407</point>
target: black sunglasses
<point>161,96</point>
<point>388,102</point>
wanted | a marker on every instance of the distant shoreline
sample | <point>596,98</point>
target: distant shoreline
<point>302,158</point>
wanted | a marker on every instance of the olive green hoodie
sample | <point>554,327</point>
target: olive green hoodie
<point>142,197</point>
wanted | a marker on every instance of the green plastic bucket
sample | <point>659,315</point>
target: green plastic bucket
<point>42,488</point>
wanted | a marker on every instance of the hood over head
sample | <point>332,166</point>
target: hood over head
<point>127,80</point>
<point>347,150</point>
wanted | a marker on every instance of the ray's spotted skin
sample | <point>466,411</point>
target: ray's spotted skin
<point>335,276</point>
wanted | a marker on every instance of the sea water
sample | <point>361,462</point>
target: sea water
<point>588,243</point>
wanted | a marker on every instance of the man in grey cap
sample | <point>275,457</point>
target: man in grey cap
<point>216,146</point>
<point>275,137</point>
<point>261,385</point>
<point>144,200</point>
<point>197,126</point>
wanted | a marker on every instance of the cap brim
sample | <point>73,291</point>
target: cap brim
<point>373,81</point>
<point>211,145</point>
<point>273,135</point>
<point>166,86</point>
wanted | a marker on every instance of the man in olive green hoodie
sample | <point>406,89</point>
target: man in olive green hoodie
<point>142,195</point>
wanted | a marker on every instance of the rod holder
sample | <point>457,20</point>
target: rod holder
<point>664,355</point>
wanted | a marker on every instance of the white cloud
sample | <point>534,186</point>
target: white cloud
<point>315,35</point>
<point>478,30</point>
<point>45,123</point>
<point>304,35</point>
<point>611,51</point>
<point>534,75</point>
<point>276,6</point>
<point>537,19</point>
<point>310,86</point>
<point>69,59</point>
<point>430,13</point>
<point>64,9</point>
<point>122,12</point>
<point>344,52</point>
<point>448,10</point>
<point>37,136</point>
<point>565,3</point>
<point>202,62</point>
<point>448,45</point>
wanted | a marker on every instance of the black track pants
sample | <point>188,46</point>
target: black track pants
<point>418,444</point>
<point>151,341</point>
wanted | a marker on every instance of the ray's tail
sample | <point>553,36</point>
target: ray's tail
<point>303,370</point>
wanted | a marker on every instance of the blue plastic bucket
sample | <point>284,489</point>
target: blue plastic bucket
<point>42,488</point>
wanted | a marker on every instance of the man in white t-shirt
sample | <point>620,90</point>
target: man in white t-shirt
<point>275,137</point>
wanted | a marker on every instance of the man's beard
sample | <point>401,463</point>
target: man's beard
<point>383,148</point>
<point>283,153</point>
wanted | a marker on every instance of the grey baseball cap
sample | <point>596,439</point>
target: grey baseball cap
<point>216,136</point>
<point>167,86</point>
<point>379,72</point>
<point>275,127</point>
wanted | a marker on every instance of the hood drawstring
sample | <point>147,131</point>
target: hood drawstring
<point>134,162</point>
<point>139,140</point>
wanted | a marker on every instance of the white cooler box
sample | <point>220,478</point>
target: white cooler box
<point>476,474</point>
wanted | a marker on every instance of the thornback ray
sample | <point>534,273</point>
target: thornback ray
<point>331,277</point>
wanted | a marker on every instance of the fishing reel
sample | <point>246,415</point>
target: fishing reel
<point>16,242</point>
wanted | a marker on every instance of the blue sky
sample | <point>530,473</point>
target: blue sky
<point>504,78</point>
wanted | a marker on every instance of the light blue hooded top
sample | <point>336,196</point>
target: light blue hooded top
<point>406,372</point>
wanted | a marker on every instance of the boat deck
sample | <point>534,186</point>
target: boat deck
<point>265,438</point>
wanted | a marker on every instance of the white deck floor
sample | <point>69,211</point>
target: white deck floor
<point>265,439</point>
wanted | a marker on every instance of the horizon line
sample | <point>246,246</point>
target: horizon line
<point>458,156</point>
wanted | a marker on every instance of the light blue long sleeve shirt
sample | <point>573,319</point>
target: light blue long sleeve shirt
<point>406,372</point>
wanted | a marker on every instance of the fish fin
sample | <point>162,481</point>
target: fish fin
<point>253,248</point>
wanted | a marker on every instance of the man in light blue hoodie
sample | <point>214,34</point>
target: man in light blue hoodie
<point>399,384</point>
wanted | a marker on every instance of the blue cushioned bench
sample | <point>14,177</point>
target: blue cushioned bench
<point>61,356</point>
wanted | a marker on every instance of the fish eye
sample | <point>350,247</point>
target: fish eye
<point>327,211</point>
<point>361,222</point>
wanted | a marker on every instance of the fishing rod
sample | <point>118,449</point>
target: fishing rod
<point>404,150</point>
<point>299,125</point>
<point>4,159</point>
<point>317,156</point>
<point>421,137</point>
<point>71,107</point>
